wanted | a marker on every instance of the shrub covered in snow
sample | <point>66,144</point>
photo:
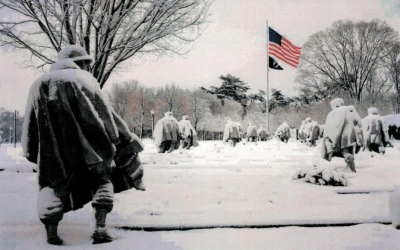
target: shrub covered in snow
<point>322,176</point>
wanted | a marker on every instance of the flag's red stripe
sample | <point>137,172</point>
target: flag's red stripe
<point>283,60</point>
<point>281,57</point>
<point>291,44</point>
<point>285,50</point>
<point>283,53</point>
<point>289,53</point>
<point>284,44</point>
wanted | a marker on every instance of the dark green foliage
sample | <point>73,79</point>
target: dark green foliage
<point>232,88</point>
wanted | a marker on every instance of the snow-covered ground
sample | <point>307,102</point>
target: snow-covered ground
<point>229,198</point>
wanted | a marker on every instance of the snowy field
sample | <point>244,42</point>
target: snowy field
<point>223,198</point>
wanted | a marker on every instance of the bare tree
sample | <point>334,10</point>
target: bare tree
<point>111,31</point>
<point>393,67</point>
<point>377,84</point>
<point>347,55</point>
<point>139,105</point>
<point>170,98</point>
<point>120,94</point>
<point>198,106</point>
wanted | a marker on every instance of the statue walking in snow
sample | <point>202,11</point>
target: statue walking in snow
<point>375,136</point>
<point>83,149</point>
<point>188,133</point>
<point>167,134</point>
<point>311,132</point>
<point>302,136</point>
<point>342,133</point>
<point>251,133</point>
<point>241,132</point>
<point>231,133</point>
<point>283,132</point>
<point>262,133</point>
<point>321,131</point>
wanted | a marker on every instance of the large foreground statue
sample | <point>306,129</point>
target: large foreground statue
<point>83,149</point>
<point>342,133</point>
<point>375,136</point>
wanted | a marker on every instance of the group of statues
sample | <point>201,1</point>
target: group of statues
<point>394,132</point>
<point>169,134</point>
<point>233,133</point>
<point>343,134</point>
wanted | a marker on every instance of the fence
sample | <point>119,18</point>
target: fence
<point>204,135</point>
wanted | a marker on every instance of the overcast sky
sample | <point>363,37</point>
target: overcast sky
<point>233,43</point>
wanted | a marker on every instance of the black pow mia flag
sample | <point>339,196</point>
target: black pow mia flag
<point>273,64</point>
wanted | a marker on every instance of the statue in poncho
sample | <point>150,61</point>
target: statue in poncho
<point>375,136</point>
<point>251,133</point>
<point>83,149</point>
<point>283,132</point>
<point>321,130</point>
<point>262,133</point>
<point>167,134</point>
<point>311,132</point>
<point>343,133</point>
<point>302,136</point>
<point>231,133</point>
<point>188,133</point>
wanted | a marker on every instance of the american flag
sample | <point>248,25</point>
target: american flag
<point>283,49</point>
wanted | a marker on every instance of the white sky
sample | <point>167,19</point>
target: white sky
<point>233,43</point>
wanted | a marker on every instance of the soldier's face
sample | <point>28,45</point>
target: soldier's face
<point>84,65</point>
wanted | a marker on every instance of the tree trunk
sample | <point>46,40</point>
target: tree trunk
<point>141,126</point>
<point>398,103</point>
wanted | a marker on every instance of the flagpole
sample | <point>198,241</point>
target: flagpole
<point>267,78</point>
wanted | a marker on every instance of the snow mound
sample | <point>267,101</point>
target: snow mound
<point>322,176</point>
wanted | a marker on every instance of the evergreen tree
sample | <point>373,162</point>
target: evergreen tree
<point>232,88</point>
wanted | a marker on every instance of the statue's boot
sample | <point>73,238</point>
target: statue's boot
<point>52,236</point>
<point>100,234</point>
<point>350,163</point>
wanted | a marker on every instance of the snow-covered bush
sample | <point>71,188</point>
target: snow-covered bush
<point>322,176</point>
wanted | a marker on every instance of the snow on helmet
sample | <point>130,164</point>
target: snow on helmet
<point>75,53</point>
<point>373,111</point>
<point>337,102</point>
